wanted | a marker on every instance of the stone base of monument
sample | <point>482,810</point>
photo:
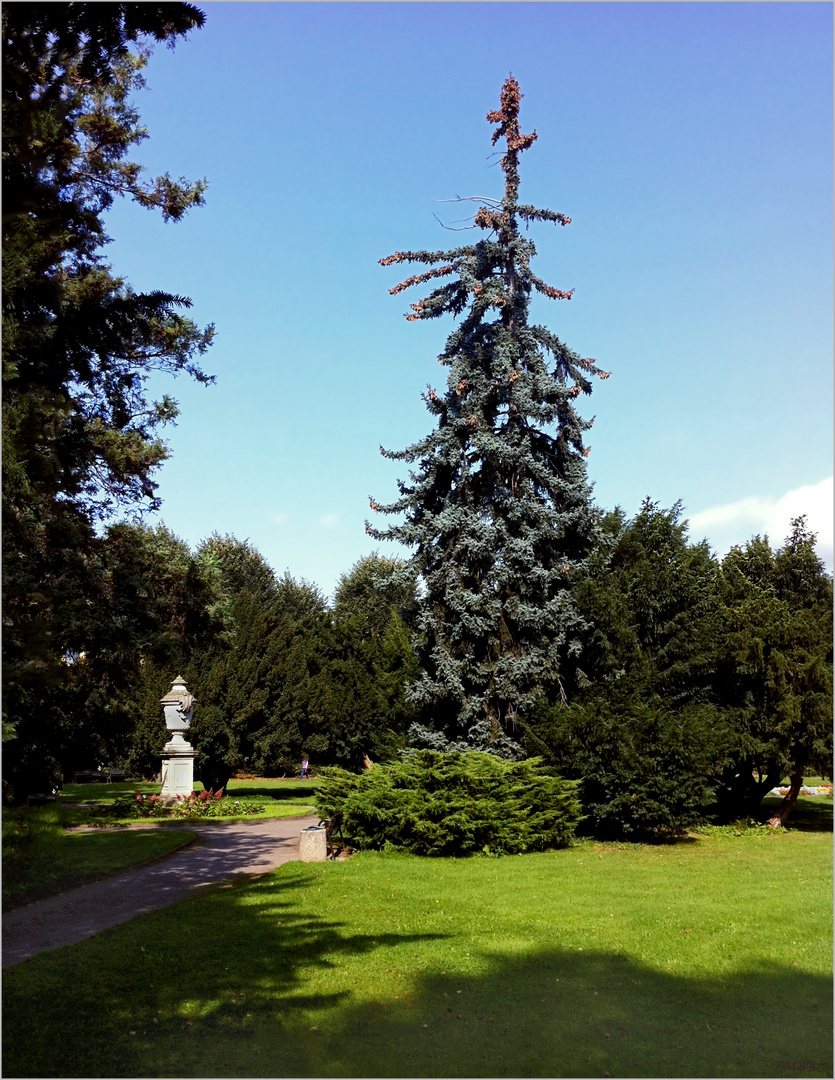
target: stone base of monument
<point>177,768</point>
<point>313,844</point>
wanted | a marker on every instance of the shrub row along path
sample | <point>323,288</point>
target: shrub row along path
<point>222,854</point>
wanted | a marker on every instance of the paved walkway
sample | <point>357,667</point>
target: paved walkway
<point>221,853</point>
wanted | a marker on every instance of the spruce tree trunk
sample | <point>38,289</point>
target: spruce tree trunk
<point>778,820</point>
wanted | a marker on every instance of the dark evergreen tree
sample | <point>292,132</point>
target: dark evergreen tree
<point>78,343</point>
<point>338,675</point>
<point>652,599</point>
<point>370,591</point>
<point>644,733</point>
<point>777,670</point>
<point>234,676</point>
<point>372,662</point>
<point>80,437</point>
<point>288,677</point>
<point>498,509</point>
<point>149,606</point>
<point>645,766</point>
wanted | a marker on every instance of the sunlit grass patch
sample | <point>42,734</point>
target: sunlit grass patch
<point>637,961</point>
<point>275,799</point>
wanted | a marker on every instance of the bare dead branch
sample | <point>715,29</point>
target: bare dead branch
<point>472,198</point>
<point>451,228</point>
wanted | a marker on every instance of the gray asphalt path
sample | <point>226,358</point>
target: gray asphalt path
<point>221,853</point>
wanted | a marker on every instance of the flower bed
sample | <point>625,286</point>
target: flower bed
<point>824,789</point>
<point>205,804</point>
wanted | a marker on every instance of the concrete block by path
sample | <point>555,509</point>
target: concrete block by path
<point>313,844</point>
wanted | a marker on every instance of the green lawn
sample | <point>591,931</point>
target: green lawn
<point>39,860</point>
<point>292,790</point>
<point>711,957</point>
<point>279,798</point>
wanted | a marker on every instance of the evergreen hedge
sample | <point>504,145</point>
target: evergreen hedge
<point>431,803</point>
<point>645,768</point>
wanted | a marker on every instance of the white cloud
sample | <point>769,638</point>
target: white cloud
<point>734,523</point>
<point>328,521</point>
<point>279,518</point>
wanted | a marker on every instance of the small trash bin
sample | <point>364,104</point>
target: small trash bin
<point>313,844</point>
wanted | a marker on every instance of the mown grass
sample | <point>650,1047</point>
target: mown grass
<point>279,799</point>
<point>291,790</point>
<point>40,860</point>
<point>711,957</point>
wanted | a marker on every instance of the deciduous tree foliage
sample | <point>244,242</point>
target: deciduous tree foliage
<point>498,510</point>
<point>80,437</point>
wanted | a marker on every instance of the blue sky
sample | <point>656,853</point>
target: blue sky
<point>691,145</point>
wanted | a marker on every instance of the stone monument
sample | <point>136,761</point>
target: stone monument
<point>178,755</point>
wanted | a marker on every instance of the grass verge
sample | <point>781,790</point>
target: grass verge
<point>276,790</point>
<point>39,860</point>
<point>279,799</point>
<point>706,958</point>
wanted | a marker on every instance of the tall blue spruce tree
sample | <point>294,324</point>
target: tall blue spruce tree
<point>499,509</point>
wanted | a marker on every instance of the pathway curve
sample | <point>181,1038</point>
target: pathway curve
<point>221,853</point>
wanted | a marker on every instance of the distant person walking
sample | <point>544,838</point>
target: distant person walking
<point>303,775</point>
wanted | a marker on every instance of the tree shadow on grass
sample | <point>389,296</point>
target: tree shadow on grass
<point>248,983</point>
<point>810,814</point>
<point>185,991</point>
<point>558,1014</point>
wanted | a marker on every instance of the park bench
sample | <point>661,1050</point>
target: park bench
<point>88,776</point>
<point>96,776</point>
<point>332,825</point>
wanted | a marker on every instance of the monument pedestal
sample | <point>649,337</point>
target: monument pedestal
<point>177,767</point>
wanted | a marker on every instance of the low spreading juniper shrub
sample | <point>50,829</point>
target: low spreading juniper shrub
<point>432,803</point>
